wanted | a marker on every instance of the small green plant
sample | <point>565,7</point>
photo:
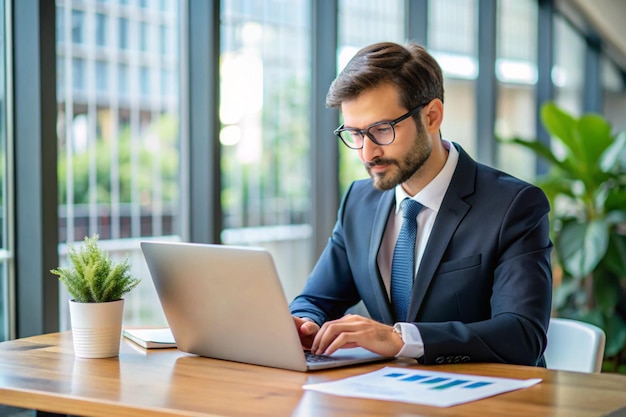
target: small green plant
<point>93,277</point>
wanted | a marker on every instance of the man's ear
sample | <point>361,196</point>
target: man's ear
<point>433,116</point>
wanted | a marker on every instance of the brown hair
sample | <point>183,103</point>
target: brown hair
<point>413,70</point>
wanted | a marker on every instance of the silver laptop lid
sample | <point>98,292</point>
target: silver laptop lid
<point>225,302</point>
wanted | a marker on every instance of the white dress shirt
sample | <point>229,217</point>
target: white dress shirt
<point>430,197</point>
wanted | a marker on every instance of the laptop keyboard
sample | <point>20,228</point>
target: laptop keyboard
<point>311,357</point>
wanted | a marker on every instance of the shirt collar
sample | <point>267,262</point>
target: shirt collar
<point>432,194</point>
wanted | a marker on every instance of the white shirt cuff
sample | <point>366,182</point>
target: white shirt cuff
<point>413,343</point>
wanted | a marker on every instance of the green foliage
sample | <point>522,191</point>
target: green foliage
<point>135,162</point>
<point>586,185</point>
<point>93,277</point>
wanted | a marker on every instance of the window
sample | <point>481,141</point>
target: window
<point>163,40</point>
<point>122,80</point>
<point>453,41</point>
<point>569,66</point>
<point>102,77</point>
<point>78,26</point>
<point>101,29</point>
<point>265,73</point>
<point>516,71</point>
<point>452,30</point>
<point>119,141</point>
<point>144,81</point>
<point>123,35</point>
<point>7,302</point>
<point>143,36</point>
<point>78,74</point>
<point>60,29</point>
<point>614,94</point>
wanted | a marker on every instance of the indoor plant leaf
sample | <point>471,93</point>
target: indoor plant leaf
<point>586,187</point>
<point>616,204</point>
<point>606,292</point>
<point>561,293</point>
<point>581,246</point>
<point>615,155</point>
<point>616,255</point>
<point>540,149</point>
<point>615,329</point>
<point>594,136</point>
<point>561,125</point>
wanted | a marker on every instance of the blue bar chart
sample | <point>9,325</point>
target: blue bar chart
<point>418,386</point>
<point>438,382</point>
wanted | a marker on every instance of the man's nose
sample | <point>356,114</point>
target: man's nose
<point>370,150</point>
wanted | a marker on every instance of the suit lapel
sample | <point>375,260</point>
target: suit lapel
<point>451,212</point>
<point>383,209</point>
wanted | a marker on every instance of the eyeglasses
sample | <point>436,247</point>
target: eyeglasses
<point>381,133</point>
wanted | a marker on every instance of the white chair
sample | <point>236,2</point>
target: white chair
<point>574,346</point>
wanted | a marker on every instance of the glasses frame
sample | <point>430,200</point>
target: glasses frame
<point>366,132</point>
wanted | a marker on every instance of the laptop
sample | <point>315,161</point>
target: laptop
<point>227,302</point>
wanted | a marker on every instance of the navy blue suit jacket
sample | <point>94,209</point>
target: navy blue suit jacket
<point>484,286</point>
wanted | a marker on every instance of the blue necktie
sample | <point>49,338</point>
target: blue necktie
<point>403,263</point>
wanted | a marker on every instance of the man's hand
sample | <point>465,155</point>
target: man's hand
<point>307,329</point>
<point>352,331</point>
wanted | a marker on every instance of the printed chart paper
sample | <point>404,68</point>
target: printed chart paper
<point>438,389</point>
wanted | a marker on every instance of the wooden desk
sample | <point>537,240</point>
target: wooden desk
<point>42,373</point>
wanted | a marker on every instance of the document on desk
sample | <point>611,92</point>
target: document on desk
<point>151,338</point>
<point>438,389</point>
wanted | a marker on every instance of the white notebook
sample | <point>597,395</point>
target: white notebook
<point>151,338</point>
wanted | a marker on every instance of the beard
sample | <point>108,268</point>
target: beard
<point>400,171</point>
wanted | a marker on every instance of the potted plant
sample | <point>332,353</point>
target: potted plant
<point>586,186</point>
<point>96,285</point>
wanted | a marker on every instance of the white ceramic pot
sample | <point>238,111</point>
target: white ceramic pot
<point>96,328</point>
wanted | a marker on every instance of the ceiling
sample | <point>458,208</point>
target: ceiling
<point>606,18</point>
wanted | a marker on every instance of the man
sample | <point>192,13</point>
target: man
<point>480,285</point>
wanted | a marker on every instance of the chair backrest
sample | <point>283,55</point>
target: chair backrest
<point>574,346</point>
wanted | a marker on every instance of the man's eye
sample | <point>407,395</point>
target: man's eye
<point>381,130</point>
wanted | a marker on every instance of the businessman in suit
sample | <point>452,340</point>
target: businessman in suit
<point>466,277</point>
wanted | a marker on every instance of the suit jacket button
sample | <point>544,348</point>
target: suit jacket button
<point>440,360</point>
<point>457,359</point>
<point>465,359</point>
<point>449,359</point>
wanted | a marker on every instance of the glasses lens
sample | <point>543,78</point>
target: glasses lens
<point>383,133</point>
<point>352,138</point>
